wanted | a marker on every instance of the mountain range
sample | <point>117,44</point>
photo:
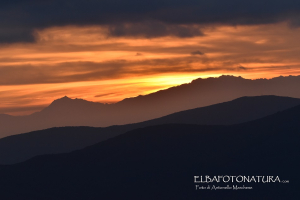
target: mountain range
<point>198,93</point>
<point>161,162</point>
<point>18,148</point>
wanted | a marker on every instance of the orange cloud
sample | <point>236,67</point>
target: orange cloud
<point>85,62</point>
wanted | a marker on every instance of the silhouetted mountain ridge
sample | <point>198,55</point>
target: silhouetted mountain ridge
<point>75,105</point>
<point>240,110</point>
<point>18,148</point>
<point>160,162</point>
<point>198,93</point>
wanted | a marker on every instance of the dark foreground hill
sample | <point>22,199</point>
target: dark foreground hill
<point>161,162</point>
<point>198,93</point>
<point>20,147</point>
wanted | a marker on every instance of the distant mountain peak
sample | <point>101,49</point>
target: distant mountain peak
<point>65,101</point>
<point>65,97</point>
<point>231,76</point>
<point>223,78</point>
<point>62,100</point>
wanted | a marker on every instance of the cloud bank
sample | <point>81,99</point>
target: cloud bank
<point>135,18</point>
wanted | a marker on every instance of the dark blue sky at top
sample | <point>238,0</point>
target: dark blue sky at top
<point>151,18</point>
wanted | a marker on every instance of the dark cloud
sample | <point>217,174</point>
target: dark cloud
<point>197,53</point>
<point>91,71</point>
<point>60,73</point>
<point>105,94</point>
<point>148,18</point>
<point>241,68</point>
<point>15,34</point>
<point>154,29</point>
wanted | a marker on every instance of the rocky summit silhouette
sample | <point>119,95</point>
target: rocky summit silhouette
<point>161,162</point>
<point>17,148</point>
<point>198,93</point>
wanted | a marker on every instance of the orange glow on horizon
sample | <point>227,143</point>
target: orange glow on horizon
<point>109,91</point>
<point>83,62</point>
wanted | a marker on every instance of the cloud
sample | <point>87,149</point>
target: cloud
<point>63,57</point>
<point>92,71</point>
<point>152,29</point>
<point>149,18</point>
<point>197,53</point>
<point>241,68</point>
<point>105,94</point>
<point>16,34</point>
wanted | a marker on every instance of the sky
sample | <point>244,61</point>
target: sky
<point>108,50</point>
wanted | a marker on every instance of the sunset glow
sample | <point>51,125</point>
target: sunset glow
<point>85,62</point>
